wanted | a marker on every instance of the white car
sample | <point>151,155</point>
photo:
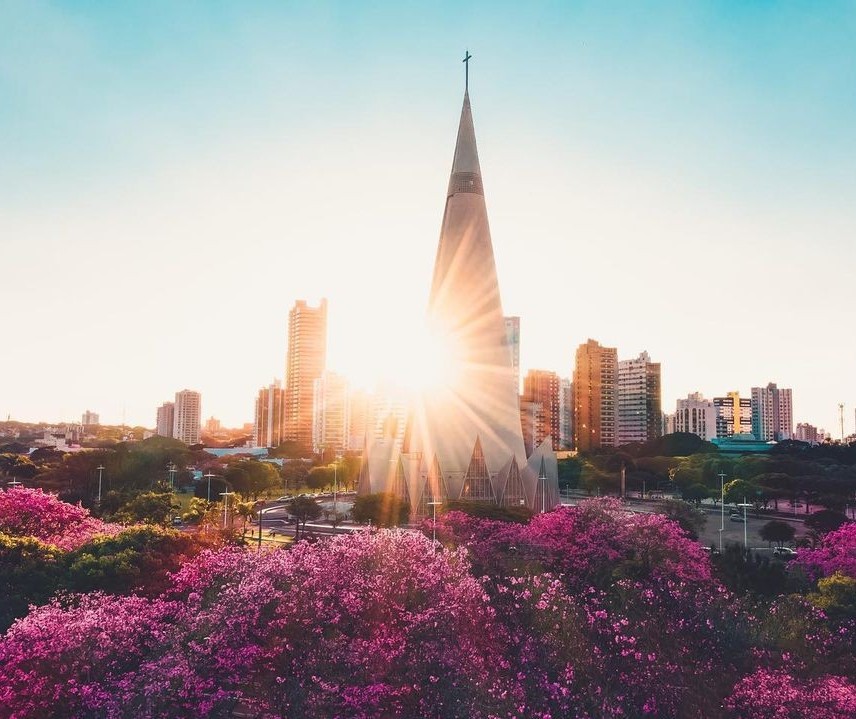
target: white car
<point>784,552</point>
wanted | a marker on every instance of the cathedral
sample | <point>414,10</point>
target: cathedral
<point>464,439</point>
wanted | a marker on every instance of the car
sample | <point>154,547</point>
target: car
<point>784,552</point>
<point>177,522</point>
<point>736,517</point>
<point>710,550</point>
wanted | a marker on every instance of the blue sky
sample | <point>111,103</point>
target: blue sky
<point>676,177</point>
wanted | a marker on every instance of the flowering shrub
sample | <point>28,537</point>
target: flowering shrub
<point>778,695</point>
<point>30,512</point>
<point>836,553</point>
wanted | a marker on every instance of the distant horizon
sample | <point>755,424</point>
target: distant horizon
<point>676,180</point>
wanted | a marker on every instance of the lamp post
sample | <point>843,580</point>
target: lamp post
<point>225,495</point>
<point>100,469</point>
<point>208,477</point>
<point>745,504</point>
<point>172,471</point>
<point>336,483</point>
<point>15,483</point>
<point>721,508</point>
<point>542,479</point>
<point>433,506</point>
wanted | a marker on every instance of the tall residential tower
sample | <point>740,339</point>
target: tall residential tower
<point>306,360</point>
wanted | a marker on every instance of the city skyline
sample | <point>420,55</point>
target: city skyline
<point>161,230</point>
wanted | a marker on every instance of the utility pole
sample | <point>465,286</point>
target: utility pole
<point>841,420</point>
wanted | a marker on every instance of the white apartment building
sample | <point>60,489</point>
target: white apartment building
<point>772,413</point>
<point>695,415</point>
<point>330,413</point>
<point>188,416</point>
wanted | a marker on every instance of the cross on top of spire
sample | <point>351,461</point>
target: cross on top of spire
<point>466,61</point>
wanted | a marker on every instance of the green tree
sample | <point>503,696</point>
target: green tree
<point>692,520</point>
<point>488,510</point>
<point>777,532</point>
<point>825,520</point>
<point>320,478</point>
<point>251,478</point>
<point>290,450</point>
<point>149,507</point>
<point>382,509</point>
<point>739,490</point>
<point>695,493</point>
<point>246,510</point>
<point>294,474</point>
<point>304,510</point>
<point>30,572</point>
<point>198,511</point>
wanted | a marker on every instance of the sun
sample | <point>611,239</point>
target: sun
<point>420,360</point>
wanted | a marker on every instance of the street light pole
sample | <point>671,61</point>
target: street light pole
<point>433,506</point>
<point>745,504</point>
<point>172,470</point>
<point>208,476</point>
<point>335,484</point>
<point>721,508</point>
<point>225,495</point>
<point>15,483</point>
<point>100,469</point>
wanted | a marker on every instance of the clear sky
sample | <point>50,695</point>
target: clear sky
<point>671,177</point>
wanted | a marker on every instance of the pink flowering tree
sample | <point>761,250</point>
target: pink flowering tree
<point>769,694</point>
<point>836,553</point>
<point>32,513</point>
<point>358,626</point>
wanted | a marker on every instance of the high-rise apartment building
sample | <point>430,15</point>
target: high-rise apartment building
<point>359,408</point>
<point>212,425</point>
<point>595,395</point>
<point>772,413</point>
<point>269,414</point>
<point>541,387</point>
<point>696,415</point>
<point>306,360</point>
<point>806,432</point>
<point>640,414</point>
<point>166,420</point>
<point>89,419</point>
<point>533,423</point>
<point>389,407</point>
<point>188,416</point>
<point>512,339</point>
<point>733,415</point>
<point>566,414</point>
<point>331,422</point>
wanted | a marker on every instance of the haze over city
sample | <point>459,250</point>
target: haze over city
<point>677,180</point>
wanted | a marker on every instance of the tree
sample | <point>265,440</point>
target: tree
<point>695,493</point>
<point>250,478</point>
<point>320,478</point>
<point>304,509</point>
<point>739,490</point>
<point>149,507</point>
<point>289,450</point>
<point>246,510</point>
<point>690,519</point>
<point>825,520</point>
<point>382,509</point>
<point>778,532</point>
<point>294,474</point>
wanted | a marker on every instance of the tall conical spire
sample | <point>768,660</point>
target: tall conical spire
<point>466,173</point>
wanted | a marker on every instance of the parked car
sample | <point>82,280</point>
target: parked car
<point>784,552</point>
<point>735,517</point>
